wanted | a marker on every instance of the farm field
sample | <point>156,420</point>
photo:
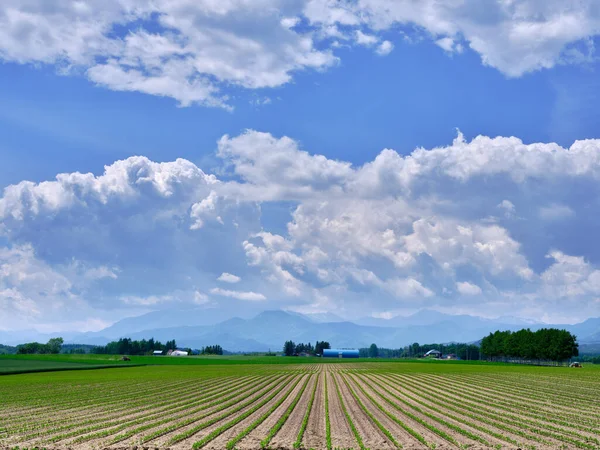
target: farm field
<point>382,405</point>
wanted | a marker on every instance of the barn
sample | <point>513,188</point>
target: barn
<point>179,353</point>
<point>340,353</point>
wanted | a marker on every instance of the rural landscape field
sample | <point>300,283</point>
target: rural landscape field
<point>358,404</point>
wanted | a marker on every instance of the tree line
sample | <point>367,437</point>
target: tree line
<point>211,350</point>
<point>53,346</point>
<point>292,349</point>
<point>416,350</point>
<point>127,346</point>
<point>544,344</point>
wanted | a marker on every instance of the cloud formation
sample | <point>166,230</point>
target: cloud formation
<point>484,225</point>
<point>193,51</point>
<point>229,278</point>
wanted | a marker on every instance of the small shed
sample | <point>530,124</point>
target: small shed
<point>340,353</point>
<point>157,352</point>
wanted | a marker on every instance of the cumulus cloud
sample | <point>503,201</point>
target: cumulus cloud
<point>513,37</point>
<point>433,228</point>
<point>466,288</point>
<point>229,278</point>
<point>385,48</point>
<point>240,295</point>
<point>192,51</point>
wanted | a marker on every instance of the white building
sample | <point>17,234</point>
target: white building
<point>179,353</point>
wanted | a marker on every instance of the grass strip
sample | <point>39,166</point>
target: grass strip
<point>304,424</point>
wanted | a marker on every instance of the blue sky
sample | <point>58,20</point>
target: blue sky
<point>271,122</point>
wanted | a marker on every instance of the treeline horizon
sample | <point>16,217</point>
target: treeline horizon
<point>545,344</point>
<point>127,346</point>
<point>416,350</point>
<point>290,348</point>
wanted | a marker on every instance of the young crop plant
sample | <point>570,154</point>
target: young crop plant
<point>304,424</point>
<point>235,402</point>
<point>223,397</point>
<point>371,416</point>
<point>406,428</point>
<point>265,442</point>
<point>435,418</point>
<point>348,418</point>
<point>327,420</point>
<point>537,428</point>
<point>202,442</point>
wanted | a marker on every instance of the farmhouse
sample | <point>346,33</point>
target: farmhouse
<point>433,353</point>
<point>340,353</point>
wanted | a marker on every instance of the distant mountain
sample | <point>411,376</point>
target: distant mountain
<point>270,329</point>
<point>199,327</point>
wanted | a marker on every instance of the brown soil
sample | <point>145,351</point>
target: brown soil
<point>220,442</point>
<point>286,436</point>
<point>314,435</point>
<point>341,433</point>
<point>259,433</point>
<point>187,443</point>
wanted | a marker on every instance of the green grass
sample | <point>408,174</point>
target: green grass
<point>10,366</point>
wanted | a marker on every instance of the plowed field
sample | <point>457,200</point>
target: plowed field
<point>320,406</point>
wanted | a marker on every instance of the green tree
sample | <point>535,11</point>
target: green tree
<point>289,348</point>
<point>54,345</point>
<point>320,346</point>
<point>373,351</point>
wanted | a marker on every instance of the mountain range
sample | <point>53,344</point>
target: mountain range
<point>199,327</point>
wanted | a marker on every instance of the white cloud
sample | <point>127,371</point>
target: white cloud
<point>385,48</point>
<point>466,288</point>
<point>359,239</point>
<point>150,300</point>
<point>229,278</point>
<point>365,39</point>
<point>240,295</point>
<point>200,298</point>
<point>556,212</point>
<point>514,37</point>
<point>192,51</point>
<point>98,273</point>
<point>186,50</point>
<point>508,207</point>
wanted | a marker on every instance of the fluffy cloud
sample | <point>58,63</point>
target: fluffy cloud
<point>193,50</point>
<point>514,37</point>
<point>466,288</point>
<point>434,228</point>
<point>240,295</point>
<point>229,278</point>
